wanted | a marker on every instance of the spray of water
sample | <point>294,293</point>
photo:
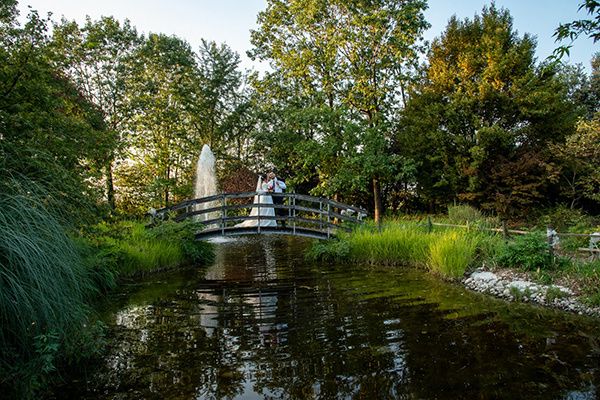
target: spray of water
<point>206,182</point>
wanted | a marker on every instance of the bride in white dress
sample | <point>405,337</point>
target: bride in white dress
<point>261,198</point>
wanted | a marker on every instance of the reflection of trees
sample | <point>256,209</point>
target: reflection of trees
<point>280,330</point>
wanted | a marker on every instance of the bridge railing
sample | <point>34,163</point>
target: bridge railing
<point>223,211</point>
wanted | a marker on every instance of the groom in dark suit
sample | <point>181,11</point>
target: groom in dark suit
<point>277,185</point>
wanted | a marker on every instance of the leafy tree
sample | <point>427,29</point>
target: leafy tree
<point>162,99</point>
<point>344,64</point>
<point>218,92</point>
<point>483,107</point>
<point>97,57</point>
<point>585,91</point>
<point>49,133</point>
<point>572,30</point>
<point>579,158</point>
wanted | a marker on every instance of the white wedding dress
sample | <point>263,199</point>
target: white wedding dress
<point>261,198</point>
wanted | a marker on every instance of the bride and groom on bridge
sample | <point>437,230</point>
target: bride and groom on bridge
<point>264,189</point>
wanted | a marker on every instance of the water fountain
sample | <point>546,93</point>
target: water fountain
<point>206,182</point>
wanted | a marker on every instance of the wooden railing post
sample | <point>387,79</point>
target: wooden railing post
<point>294,214</point>
<point>328,218</point>
<point>429,224</point>
<point>223,213</point>
<point>320,213</point>
<point>289,209</point>
<point>259,211</point>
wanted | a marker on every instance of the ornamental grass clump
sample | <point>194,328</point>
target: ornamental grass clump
<point>395,244</point>
<point>43,289</point>
<point>451,253</point>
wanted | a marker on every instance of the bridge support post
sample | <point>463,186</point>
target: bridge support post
<point>259,205</point>
<point>290,209</point>
<point>328,219</point>
<point>320,214</point>
<point>294,214</point>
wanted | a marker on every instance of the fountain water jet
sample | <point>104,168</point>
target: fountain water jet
<point>206,182</point>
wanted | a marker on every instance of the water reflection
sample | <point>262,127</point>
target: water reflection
<point>260,323</point>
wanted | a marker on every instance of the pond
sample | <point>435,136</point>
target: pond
<point>260,322</point>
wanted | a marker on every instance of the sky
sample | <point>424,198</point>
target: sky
<point>230,21</point>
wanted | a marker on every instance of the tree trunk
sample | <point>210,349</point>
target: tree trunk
<point>168,174</point>
<point>377,200</point>
<point>110,188</point>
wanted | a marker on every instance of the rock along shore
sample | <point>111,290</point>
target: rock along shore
<point>513,287</point>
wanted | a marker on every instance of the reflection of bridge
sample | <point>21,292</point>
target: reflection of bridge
<point>308,216</point>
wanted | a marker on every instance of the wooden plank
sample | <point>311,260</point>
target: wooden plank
<point>579,235</point>
<point>347,207</point>
<point>587,249</point>
<point>475,227</point>
<point>299,231</point>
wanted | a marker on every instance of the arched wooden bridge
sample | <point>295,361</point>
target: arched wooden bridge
<point>308,216</point>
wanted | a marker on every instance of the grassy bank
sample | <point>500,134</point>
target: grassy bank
<point>129,248</point>
<point>448,253</point>
<point>51,279</point>
<point>451,252</point>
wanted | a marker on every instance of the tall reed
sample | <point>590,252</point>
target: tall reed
<point>447,252</point>
<point>451,253</point>
<point>394,244</point>
<point>43,283</point>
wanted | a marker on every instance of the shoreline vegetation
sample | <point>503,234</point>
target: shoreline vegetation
<point>454,254</point>
<point>53,278</point>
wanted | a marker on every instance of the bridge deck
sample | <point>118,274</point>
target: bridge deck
<point>264,230</point>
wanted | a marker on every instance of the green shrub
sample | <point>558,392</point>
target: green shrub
<point>565,219</point>
<point>451,253</point>
<point>130,248</point>
<point>589,274</point>
<point>529,252</point>
<point>329,251</point>
<point>462,214</point>
<point>553,293</point>
<point>184,233</point>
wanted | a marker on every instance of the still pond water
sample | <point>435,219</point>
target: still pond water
<point>262,323</point>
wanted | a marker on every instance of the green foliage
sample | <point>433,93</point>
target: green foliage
<point>329,251</point>
<point>448,253</point>
<point>572,30</point>
<point>184,233</point>
<point>529,252</point>
<point>462,214</point>
<point>50,134</point>
<point>395,244</point>
<point>554,293</point>
<point>489,246</point>
<point>580,157</point>
<point>481,120</point>
<point>570,220</point>
<point>451,253</point>
<point>44,283</point>
<point>518,294</point>
<point>44,294</point>
<point>131,248</point>
<point>339,69</point>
